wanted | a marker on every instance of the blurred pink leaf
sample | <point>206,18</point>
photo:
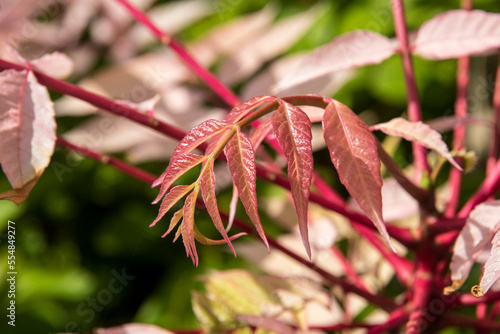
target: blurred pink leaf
<point>419,133</point>
<point>271,43</point>
<point>55,64</point>
<point>244,108</point>
<point>27,131</point>
<point>268,323</point>
<point>492,266</point>
<point>355,49</point>
<point>353,151</point>
<point>241,161</point>
<point>292,128</point>
<point>482,223</point>
<point>448,123</point>
<point>458,33</point>
<point>397,203</point>
<point>262,83</point>
<point>133,328</point>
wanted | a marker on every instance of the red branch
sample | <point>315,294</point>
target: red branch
<point>211,81</point>
<point>414,112</point>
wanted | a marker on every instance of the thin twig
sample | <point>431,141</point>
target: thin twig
<point>414,112</point>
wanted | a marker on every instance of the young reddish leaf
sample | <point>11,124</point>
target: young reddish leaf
<point>492,266</point>
<point>187,227</point>
<point>482,223</point>
<point>242,109</point>
<point>292,128</point>
<point>207,182</point>
<point>241,162</point>
<point>417,132</point>
<point>355,49</point>
<point>175,194</point>
<point>27,131</point>
<point>458,33</point>
<point>353,151</point>
<point>179,165</point>
<point>194,138</point>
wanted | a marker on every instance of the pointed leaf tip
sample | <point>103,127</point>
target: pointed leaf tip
<point>292,128</point>
<point>353,152</point>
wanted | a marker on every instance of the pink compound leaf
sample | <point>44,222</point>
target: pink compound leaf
<point>292,128</point>
<point>353,151</point>
<point>458,33</point>
<point>194,138</point>
<point>241,162</point>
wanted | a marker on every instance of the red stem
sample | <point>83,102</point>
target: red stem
<point>459,133</point>
<point>496,120</point>
<point>455,320</point>
<point>136,173</point>
<point>219,88</point>
<point>422,289</point>
<point>414,112</point>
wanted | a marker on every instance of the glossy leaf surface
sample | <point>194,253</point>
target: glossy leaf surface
<point>353,151</point>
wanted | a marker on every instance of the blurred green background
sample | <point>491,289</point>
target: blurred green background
<point>85,223</point>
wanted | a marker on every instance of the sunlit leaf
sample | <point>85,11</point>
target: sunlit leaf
<point>355,49</point>
<point>207,183</point>
<point>292,128</point>
<point>55,64</point>
<point>211,242</point>
<point>482,223</point>
<point>458,33</point>
<point>241,163</point>
<point>27,131</point>
<point>417,132</point>
<point>353,151</point>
